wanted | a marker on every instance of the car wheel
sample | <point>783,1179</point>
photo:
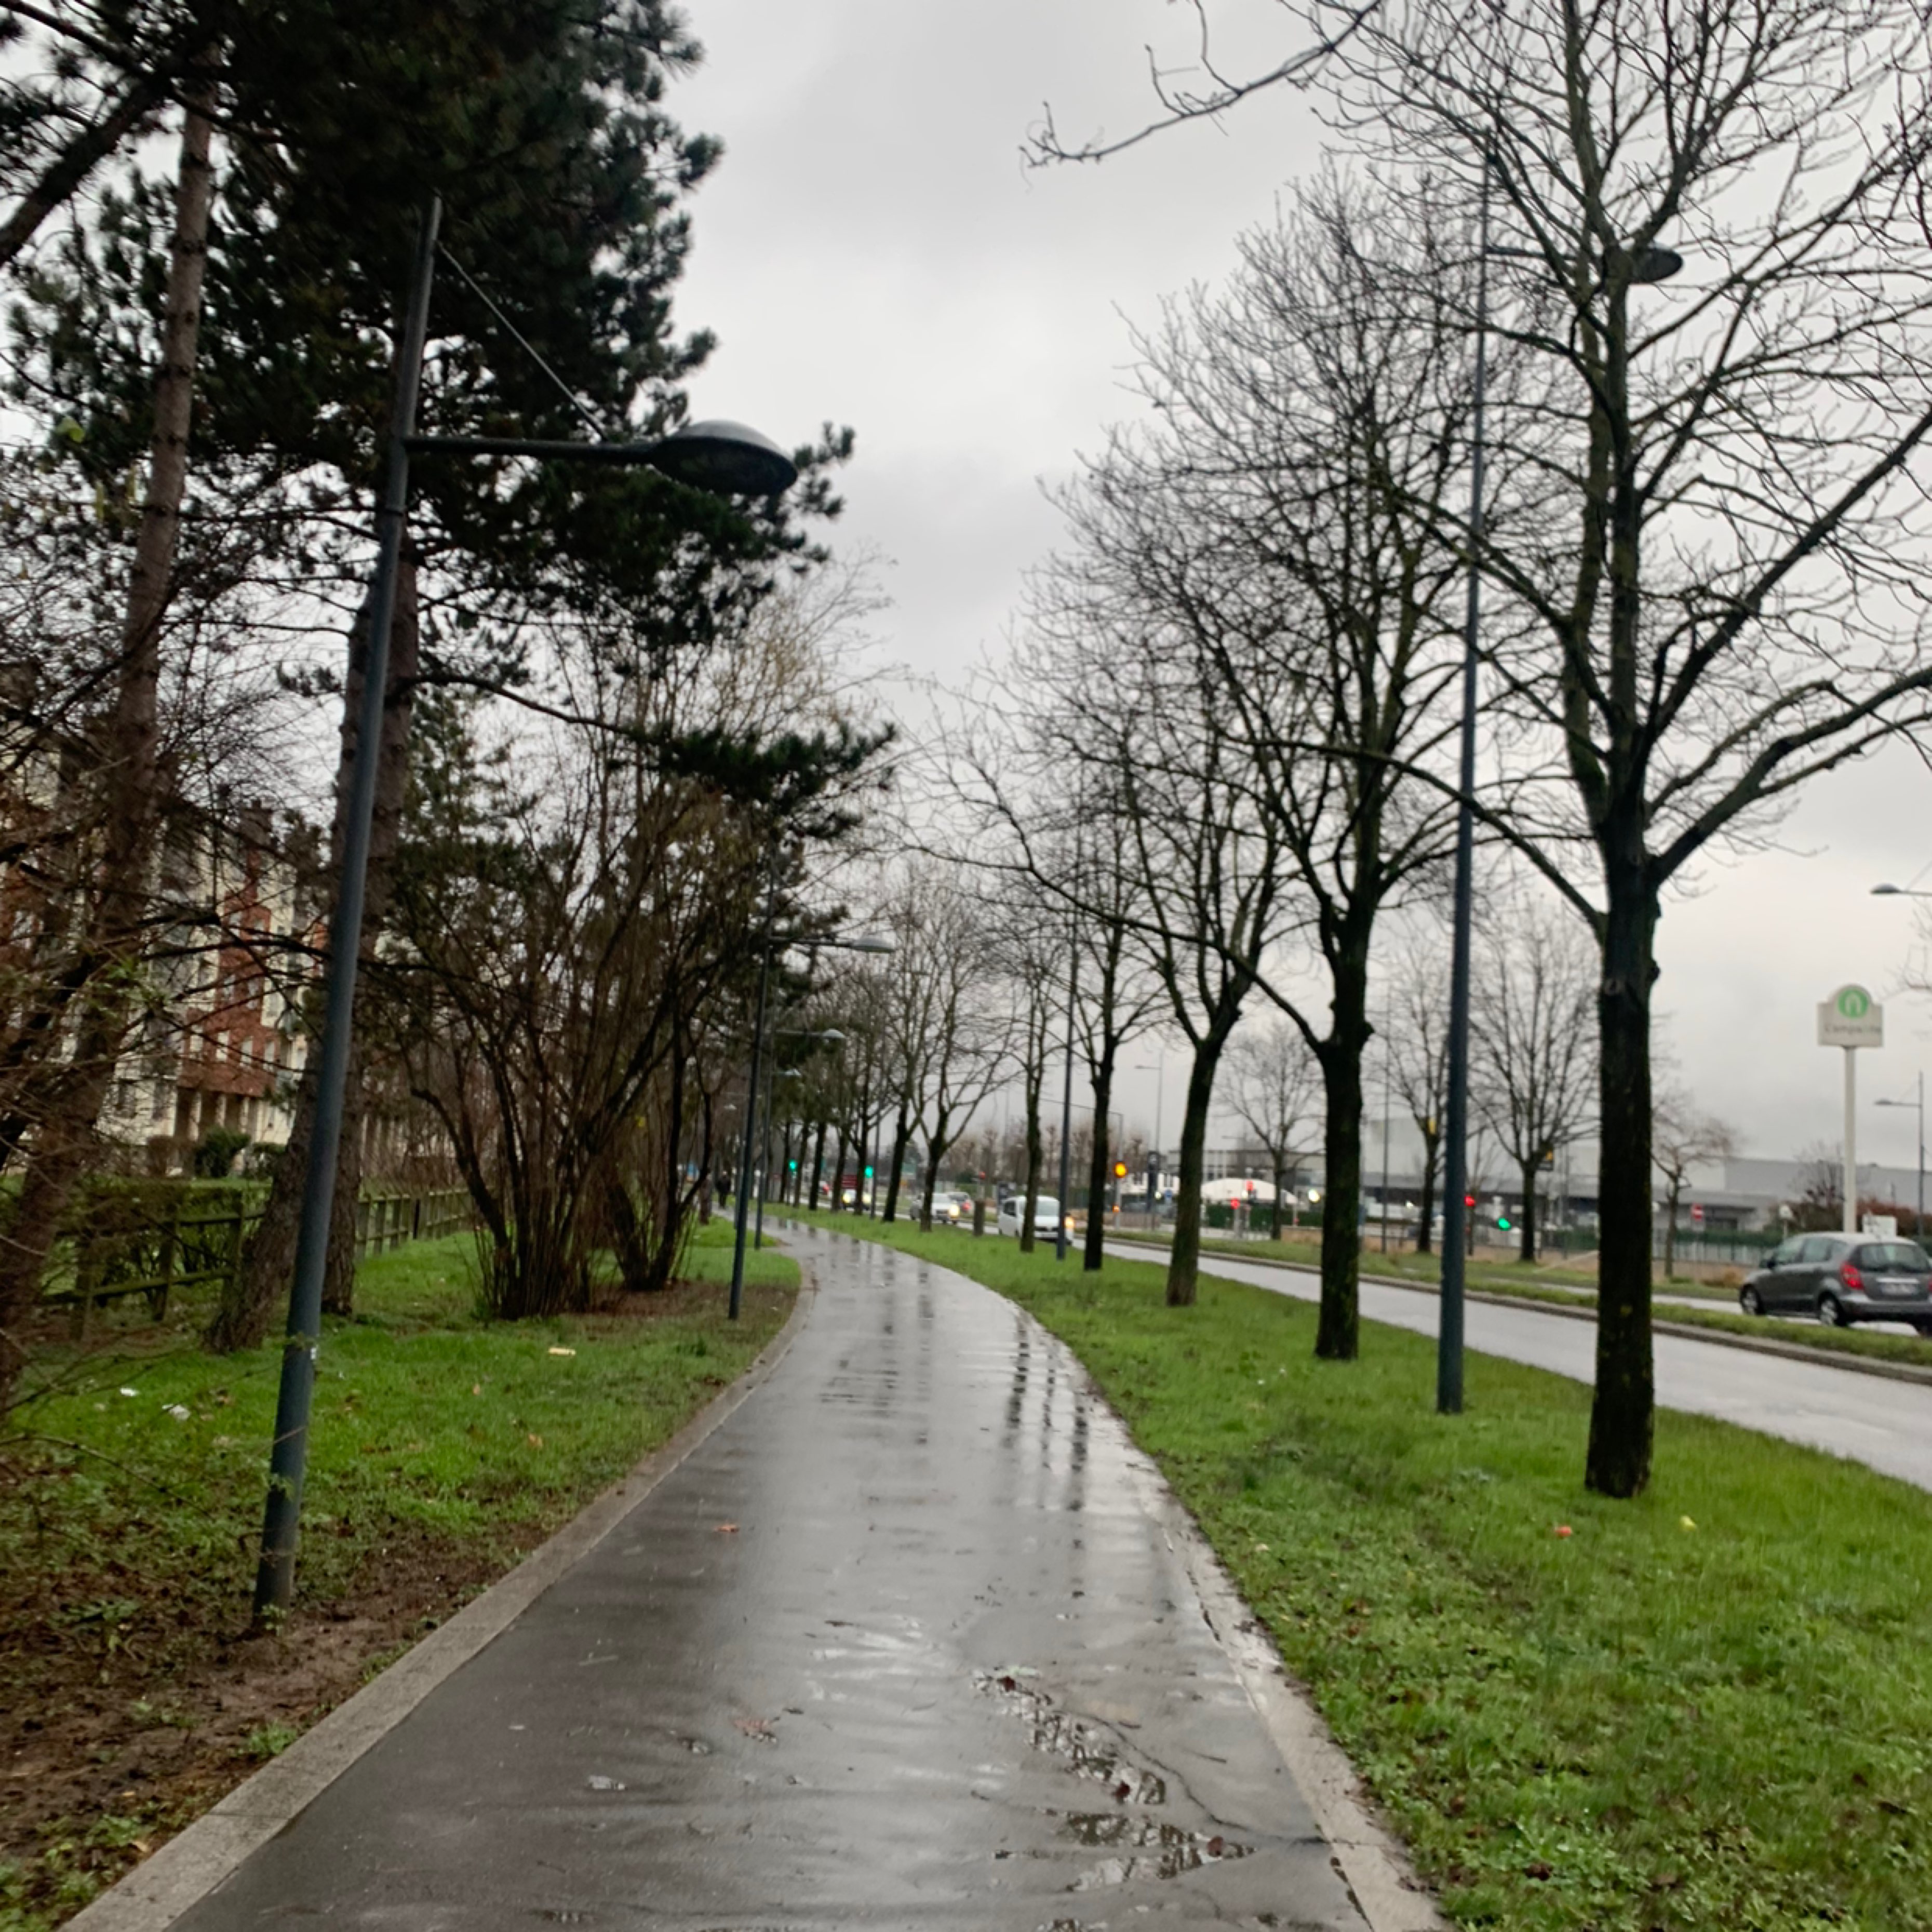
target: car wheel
<point>1751,1301</point>
<point>1831,1311</point>
<point>1923,1327</point>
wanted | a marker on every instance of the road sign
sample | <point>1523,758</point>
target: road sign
<point>1696,1214</point>
<point>1851,1017</point>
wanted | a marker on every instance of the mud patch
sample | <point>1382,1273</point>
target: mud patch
<point>127,1710</point>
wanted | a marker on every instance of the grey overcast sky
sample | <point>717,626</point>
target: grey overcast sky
<point>871,251</point>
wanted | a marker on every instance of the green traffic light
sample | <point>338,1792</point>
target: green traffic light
<point>1503,1222</point>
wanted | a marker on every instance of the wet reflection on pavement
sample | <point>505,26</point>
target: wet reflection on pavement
<point>944,1672</point>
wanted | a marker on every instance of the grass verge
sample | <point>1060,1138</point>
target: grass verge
<point>1710,1707</point>
<point>444,1447</point>
<point>1546,1285</point>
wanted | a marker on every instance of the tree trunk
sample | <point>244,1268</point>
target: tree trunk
<point>1092,1255</point>
<point>1183,1266</point>
<point>1035,1079</point>
<point>65,1142</point>
<point>836,1205</point>
<point>1526,1243</point>
<point>901,1139</point>
<point>1670,1229</point>
<point>1425,1240</point>
<point>269,1265</point>
<point>1338,1331</point>
<point>1621,1412</point>
<point>818,1161</point>
<point>338,1270</point>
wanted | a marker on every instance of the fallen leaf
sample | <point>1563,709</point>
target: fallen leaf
<point>1563,1529</point>
<point>725,1529</point>
<point>535,1441</point>
<point>759,1728</point>
<point>563,1352</point>
<point>475,1388</point>
<point>1215,1847</point>
<point>1684,1522</point>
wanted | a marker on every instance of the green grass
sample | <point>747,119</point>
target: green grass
<point>1709,1708</point>
<point>1552,1285</point>
<point>424,1414</point>
<point>442,1445</point>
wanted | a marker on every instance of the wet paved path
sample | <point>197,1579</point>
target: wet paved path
<point>945,1671</point>
<point>1871,1419</point>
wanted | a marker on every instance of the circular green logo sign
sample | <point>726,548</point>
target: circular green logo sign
<point>1854,1002</point>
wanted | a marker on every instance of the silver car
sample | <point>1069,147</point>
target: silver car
<point>1842,1279</point>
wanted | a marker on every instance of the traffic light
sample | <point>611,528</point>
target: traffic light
<point>1503,1222</point>
<point>868,1174</point>
<point>1119,1170</point>
<point>793,1165</point>
<point>1468,1200</point>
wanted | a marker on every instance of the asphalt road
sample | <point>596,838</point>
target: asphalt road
<point>904,1643</point>
<point>1887,1425</point>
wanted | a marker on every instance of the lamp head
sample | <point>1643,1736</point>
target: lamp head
<point>726,457</point>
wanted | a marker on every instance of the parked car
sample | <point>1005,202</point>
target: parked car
<point>1842,1279</point>
<point>1045,1216</point>
<point>950,1204</point>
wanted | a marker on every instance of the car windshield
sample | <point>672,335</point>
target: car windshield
<point>1896,1255</point>
<point>1046,1204</point>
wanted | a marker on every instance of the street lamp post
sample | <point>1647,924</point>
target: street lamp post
<point>716,456</point>
<point>1159,1070</point>
<point>1917,1102</point>
<point>1655,265</point>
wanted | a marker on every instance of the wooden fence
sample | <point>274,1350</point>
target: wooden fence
<point>150,1238</point>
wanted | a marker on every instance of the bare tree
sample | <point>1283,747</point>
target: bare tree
<point>1683,1136</point>
<point>971,1027</point>
<point>1283,518</point>
<point>1418,1063</point>
<point>1722,570</point>
<point>1533,1063</point>
<point>1117,995</point>
<point>1276,1093</point>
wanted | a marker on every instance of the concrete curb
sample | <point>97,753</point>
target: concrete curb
<point>192,1864</point>
<point>1794,1351</point>
<point>1373,1863</point>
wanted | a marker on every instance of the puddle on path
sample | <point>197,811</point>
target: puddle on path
<point>1144,1847</point>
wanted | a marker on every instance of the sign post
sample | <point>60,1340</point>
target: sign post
<point>1851,1019</point>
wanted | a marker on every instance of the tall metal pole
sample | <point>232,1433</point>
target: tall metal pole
<point>274,1576</point>
<point>742,1203</point>
<point>1919,1229</point>
<point>1850,1188</point>
<point>1153,1158</point>
<point>1067,1110</point>
<point>1456,1163</point>
<point>1386,1083</point>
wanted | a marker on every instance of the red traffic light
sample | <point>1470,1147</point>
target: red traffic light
<point>1468,1201</point>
